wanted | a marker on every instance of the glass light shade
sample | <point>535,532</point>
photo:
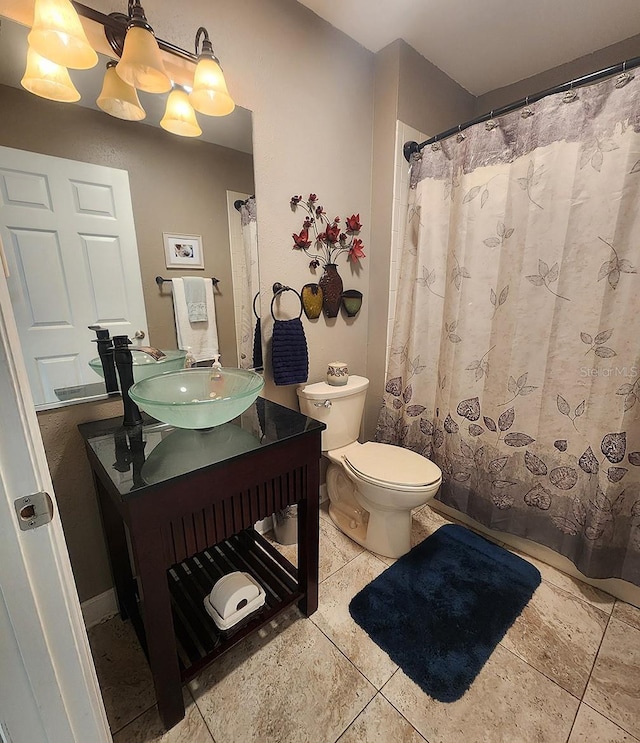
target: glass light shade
<point>141,64</point>
<point>48,79</point>
<point>57,35</point>
<point>119,99</point>
<point>210,95</point>
<point>179,116</point>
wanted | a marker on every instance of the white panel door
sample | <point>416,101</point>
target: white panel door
<point>70,244</point>
<point>48,687</point>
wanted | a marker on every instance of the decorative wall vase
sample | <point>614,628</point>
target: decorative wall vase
<point>312,296</point>
<point>331,285</point>
<point>352,301</point>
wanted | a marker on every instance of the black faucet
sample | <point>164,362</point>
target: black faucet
<point>124,365</point>
<point>105,352</point>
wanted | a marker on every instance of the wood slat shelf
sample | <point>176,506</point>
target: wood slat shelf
<point>198,639</point>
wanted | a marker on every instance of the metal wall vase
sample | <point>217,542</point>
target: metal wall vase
<point>331,285</point>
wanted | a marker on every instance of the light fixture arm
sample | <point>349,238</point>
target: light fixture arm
<point>115,26</point>
<point>207,48</point>
<point>137,18</point>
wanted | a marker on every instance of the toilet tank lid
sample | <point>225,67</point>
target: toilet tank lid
<point>324,391</point>
<point>390,464</point>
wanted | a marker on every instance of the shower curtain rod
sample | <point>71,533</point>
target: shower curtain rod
<point>411,147</point>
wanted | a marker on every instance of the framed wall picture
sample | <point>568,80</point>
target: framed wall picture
<point>183,251</point>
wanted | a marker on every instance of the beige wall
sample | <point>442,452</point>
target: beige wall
<point>73,486</point>
<point>429,100</point>
<point>598,60</point>
<point>410,89</point>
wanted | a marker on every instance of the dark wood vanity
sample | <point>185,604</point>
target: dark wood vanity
<point>178,510</point>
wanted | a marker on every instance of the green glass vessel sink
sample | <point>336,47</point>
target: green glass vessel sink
<point>197,398</point>
<point>145,366</point>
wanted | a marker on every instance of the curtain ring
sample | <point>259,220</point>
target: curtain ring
<point>491,124</point>
<point>570,95</point>
<point>281,291</point>
<point>460,137</point>
<point>624,77</point>
<point>435,146</point>
<point>526,111</point>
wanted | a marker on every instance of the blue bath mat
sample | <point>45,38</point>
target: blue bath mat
<point>442,608</point>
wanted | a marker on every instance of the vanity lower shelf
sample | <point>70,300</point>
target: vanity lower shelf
<point>198,640</point>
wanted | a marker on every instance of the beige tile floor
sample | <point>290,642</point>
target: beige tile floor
<point>568,671</point>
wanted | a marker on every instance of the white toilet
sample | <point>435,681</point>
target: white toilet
<point>372,487</point>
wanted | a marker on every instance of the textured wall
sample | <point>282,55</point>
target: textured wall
<point>311,92</point>
<point>598,60</point>
<point>410,89</point>
<point>73,486</point>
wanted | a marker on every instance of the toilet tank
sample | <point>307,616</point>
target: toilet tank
<point>343,417</point>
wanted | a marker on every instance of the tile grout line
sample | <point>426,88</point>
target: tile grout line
<point>586,686</point>
<point>342,734</point>
<point>133,719</point>
<point>204,720</point>
<point>394,706</point>
<point>537,670</point>
<point>591,673</point>
<point>322,632</point>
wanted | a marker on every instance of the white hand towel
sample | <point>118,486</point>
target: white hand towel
<point>200,337</point>
<point>195,294</point>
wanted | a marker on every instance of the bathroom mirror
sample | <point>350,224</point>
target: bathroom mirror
<point>177,185</point>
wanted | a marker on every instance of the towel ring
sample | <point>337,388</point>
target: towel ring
<point>254,306</point>
<point>278,289</point>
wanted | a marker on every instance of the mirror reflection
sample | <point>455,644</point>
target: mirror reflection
<point>86,269</point>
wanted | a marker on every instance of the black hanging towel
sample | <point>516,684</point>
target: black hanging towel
<point>257,338</point>
<point>289,353</point>
<point>257,346</point>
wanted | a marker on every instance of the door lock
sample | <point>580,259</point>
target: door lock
<point>34,510</point>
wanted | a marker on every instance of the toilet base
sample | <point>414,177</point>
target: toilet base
<point>389,533</point>
<point>349,527</point>
<point>385,532</point>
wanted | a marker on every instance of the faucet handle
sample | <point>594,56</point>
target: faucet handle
<point>139,335</point>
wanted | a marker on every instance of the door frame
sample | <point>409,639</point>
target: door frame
<point>36,580</point>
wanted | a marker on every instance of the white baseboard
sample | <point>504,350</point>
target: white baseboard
<point>99,608</point>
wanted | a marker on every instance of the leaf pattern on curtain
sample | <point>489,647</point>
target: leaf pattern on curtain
<point>515,359</point>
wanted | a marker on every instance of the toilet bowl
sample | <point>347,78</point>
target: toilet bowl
<point>372,487</point>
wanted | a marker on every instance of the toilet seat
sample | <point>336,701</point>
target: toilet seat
<point>391,467</point>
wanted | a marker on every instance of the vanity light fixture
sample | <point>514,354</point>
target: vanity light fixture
<point>141,65</point>
<point>210,95</point>
<point>57,35</point>
<point>48,79</point>
<point>179,116</point>
<point>118,98</point>
<point>57,40</point>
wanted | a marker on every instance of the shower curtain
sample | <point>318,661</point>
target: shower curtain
<point>249,285</point>
<point>515,356</point>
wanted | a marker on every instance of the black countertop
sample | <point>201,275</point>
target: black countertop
<point>141,457</point>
